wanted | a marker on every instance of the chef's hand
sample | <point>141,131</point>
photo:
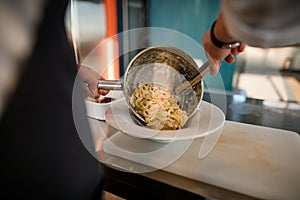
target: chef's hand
<point>90,78</point>
<point>215,54</point>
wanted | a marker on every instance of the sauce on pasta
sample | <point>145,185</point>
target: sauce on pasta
<point>158,107</point>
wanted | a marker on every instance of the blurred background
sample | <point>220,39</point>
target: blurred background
<point>267,74</point>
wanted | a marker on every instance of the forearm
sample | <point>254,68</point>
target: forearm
<point>266,23</point>
<point>221,32</point>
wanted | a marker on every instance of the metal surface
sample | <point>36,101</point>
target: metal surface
<point>203,70</point>
<point>110,84</point>
<point>168,67</point>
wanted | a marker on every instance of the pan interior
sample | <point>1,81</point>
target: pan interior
<point>164,68</point>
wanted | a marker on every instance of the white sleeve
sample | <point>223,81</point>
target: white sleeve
<point>263,23</point>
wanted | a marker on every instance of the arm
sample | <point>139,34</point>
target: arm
<point>266,23</point>
<point>216,54</point>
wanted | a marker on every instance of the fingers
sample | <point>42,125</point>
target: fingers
<point>95,91</point>
<point>235,51</point>
<point>91,78</point>
<point>93,86</point>
<point>242,47</point>
<point>103,92</point>
<point>229,59</point>
<point>91,92</point>
<point>216,55</point>
<point>238,49</point>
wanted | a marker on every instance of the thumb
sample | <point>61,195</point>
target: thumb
<point>214,65</point>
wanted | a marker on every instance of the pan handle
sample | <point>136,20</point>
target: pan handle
<point>110,84</point>
<point>202,71</point>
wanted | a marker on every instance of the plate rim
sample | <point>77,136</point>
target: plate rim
<point>164,139</point>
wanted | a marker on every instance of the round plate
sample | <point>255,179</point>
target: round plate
<point>208,119</point>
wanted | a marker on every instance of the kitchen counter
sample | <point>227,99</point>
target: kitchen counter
<point>281,115</point>
<point>122,177</point>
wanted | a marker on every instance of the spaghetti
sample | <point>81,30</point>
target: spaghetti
<point>158,107</point>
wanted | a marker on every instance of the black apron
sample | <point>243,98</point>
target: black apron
<point>42,156</point>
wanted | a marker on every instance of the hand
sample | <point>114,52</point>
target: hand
<point>90,78</point>
<point>216,55</point>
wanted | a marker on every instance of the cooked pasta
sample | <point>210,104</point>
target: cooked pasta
<point>158,107</point>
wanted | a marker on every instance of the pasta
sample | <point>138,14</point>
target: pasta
<point>158,107</point>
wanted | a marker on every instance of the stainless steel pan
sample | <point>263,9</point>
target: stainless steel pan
<point>164,66</point>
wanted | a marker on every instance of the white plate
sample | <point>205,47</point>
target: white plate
<point>208,119</point>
